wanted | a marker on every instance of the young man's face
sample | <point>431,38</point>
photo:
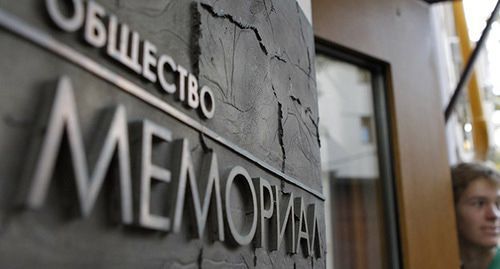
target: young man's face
<point>478,214</point>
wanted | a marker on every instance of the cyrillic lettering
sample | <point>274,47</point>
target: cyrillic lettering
<point>302,234</point>
<point>165,59</point>
<point>112,48</point>
<point>148,60</point>
<point>193,100</point>
<point>149,132</point>
<point>312,222</point>
<point>182,82</point>
<point>240,173</point>
<point>288,225</point>
<point>207,102</point>
<point>127,44</point>
<point>63,117</point>
<point>95,31</point>
<point>67,24</point>
<point>266,208</point>
<point>184,174</point>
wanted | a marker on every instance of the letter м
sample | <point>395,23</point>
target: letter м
<point>184,175</point>
<point>63,118</point>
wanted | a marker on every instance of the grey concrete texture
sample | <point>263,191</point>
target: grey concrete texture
<point>257,56</point>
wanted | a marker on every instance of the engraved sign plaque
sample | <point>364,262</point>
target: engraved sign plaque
<point>158,134</point>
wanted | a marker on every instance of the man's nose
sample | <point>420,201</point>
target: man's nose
<point>493,212</point>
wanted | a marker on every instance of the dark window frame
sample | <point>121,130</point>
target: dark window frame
<point>380,71</point>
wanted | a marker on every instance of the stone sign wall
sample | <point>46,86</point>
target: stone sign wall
<point>158,134</point>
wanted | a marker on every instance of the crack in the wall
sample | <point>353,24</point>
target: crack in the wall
<point>316,127</point>
<point>225,65</point>
<point>232,60</point>
<point>195,39</point>
<point>280,130</point>
<point>268,13</point>
<point>200,258</point>
<point>227,97</point>
<point>244,261</point>
<point>306,72</point>
<point>304,144</point>
<point>237,108</point>
<point>272,6</point>
<point>296,99</point>
<point>240,25</point>
<point>309,64</point>
<point>227,46</point>
<point>307,109</point>
<point>306,44</point>
<point>279,58</point>
<point>217,84</point>
<point>308,112</point>
<point>280,136</point>
<point>298,8</point>
<point>301,142</point>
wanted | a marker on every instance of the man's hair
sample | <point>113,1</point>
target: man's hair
<point>464,174</point>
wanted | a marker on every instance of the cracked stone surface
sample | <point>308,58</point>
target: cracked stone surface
<point>263,80</point>
<point>257,56</point>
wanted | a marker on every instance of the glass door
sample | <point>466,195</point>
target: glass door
<point>356,160</point>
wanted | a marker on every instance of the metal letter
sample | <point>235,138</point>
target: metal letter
<point>184,174</point>
<point>207,102</point>
<point>193,100</point>
<point>95,31</point>
<point>148,60</point>
<point>67,24</point>
<point>302,229</point>
<point>131,61</point>
<point>165,59</point>
<point>240,172</point>
<point>63,117</point>
<point>262,187</point>
<point>122,53</point>
<point>182,82</point>
<point>149,130</point>
<point>312,222</point>
<point>288,225</point>
<point>111,48</point>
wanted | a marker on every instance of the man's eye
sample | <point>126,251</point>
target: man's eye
<point>478,203</point>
